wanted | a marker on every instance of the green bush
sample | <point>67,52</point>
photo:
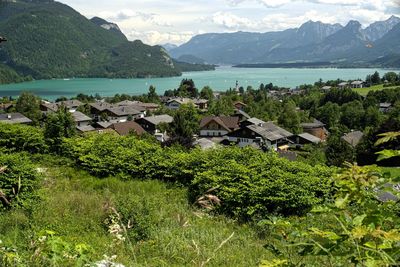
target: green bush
<point>22,138</point>
<point>18,180</point>
<point>249,183</point>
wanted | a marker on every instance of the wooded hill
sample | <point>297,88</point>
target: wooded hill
<point>47,39</point>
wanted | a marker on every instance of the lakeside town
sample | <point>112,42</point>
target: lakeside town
<point>237,128</point>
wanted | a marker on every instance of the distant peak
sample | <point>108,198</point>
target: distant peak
<point>353,24</point>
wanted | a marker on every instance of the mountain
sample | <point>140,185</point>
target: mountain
<point>312,42</point>
<point>191,59</point>
<point>169,47</point>
<point>245,47</point>
<point>48,39</point>
<point>377,30</point>
<point>108,26</point>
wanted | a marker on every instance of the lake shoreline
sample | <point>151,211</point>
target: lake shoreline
<point>222,79</point>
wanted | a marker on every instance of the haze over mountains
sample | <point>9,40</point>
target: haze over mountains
<point>311,42</point>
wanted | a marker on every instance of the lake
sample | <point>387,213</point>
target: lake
<point>221,79</point>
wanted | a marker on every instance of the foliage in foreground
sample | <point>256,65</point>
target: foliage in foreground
<point>249,183</point>
<point>86,220</point>
<point>365,210</point>
<point>18,181</point>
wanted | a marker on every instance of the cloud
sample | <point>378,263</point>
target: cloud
<point>157,37</point>
<point>230,21</point>
<point>127,14</point>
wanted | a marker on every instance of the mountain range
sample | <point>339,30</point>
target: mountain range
<point>48,39</point>
<point>311,42</point>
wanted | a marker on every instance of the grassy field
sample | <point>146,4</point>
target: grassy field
<point>395,172</point>
<point>165,229</point>
<point>364,91</point>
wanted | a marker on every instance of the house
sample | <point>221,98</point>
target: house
<point>239,105</point>
<point>85,129</point>
<point>353,138</point>
<point>6,106</point>
<point>138,105</point>
<point>151,124</point>
<point>252,121</point>
<point>71,105</point>
<point>218,126</point>
<point>48,107</point>
<point>128,127</point>
<point>175,103</point>
<point>266,135</point>
<point>343,85</point>
<point>81,119</point>
<point>98,108</point>
<point>243,116</point>
<point>122,114</point>
<point>306,138</point>
<point>357,84</point>
<point>326,88</point>
<point>385,107</point>
<point>316,129</point>
<point>14,118</point>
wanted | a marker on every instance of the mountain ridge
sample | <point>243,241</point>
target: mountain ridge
<point>311,42</point>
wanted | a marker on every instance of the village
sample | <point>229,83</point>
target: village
<point>136,117</point>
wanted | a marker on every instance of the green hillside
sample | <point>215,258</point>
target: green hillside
<point>51,40</point>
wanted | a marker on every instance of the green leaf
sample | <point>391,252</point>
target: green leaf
<point>357,221</point>
<point>370,244</point>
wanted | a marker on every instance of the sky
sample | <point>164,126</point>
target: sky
<point>176,21</point>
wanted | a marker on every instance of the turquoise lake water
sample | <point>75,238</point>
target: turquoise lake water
<point>221,79</point>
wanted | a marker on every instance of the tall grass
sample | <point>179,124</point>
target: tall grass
<point>165,230</point>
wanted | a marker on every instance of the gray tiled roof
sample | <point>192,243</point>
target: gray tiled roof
<point>79,116</point>
<point>156,120</point>
<point>12,118</point>
<point>256,121</point>
<point>270,131</point>
<point>124,111</point>
<point>84,129</point>
<point>310,137</point>
<point>101,106</point>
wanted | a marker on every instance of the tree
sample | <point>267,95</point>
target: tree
<point>338,151</point>
<point>188,89</point>
<point>152,95</point>
<point>352,115</point>
<point>376,78</point>
<point>289,118</point>
<point>329,114</point>
<point>184,125</point>
<point>29,105</point>
<point>59,125</point>
<point>207,93</point>
<point>391,77</point>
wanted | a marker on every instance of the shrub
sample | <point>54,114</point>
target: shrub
<point>22,138</point>
<point>18,180</point>
<point>250,183</point>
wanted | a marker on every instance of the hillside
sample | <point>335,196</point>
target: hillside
<point>48,39</point>
<point>311,42</point>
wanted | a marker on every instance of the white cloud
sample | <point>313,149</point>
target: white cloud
<point>230,21</point>
<point>156,37</point>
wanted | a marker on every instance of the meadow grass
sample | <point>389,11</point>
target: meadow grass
<point>75,205</point>
<point>366,90</point>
